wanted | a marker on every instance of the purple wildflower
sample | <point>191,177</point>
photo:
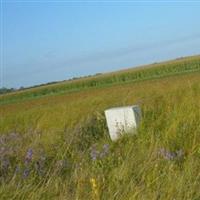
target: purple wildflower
<point>106,148</point>
<point>29,156</point>
<point>105,151</point>
<point>169,155</point>
<point>26,173</point>
<point>96,154</point>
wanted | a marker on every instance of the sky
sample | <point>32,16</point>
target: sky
<point>44,41</point>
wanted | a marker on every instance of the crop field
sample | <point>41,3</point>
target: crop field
<point>54,142</point>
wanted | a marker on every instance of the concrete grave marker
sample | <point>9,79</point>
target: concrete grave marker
<point>122,120</point>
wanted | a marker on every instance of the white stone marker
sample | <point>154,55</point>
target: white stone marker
<point>122,120</point>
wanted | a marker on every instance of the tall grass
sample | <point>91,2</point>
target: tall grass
<point>58,147</point>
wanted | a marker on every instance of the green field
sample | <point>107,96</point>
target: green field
<point>54,142</point>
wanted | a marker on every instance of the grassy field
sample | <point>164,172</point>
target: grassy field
<point>179,66</point>
<point>54,141</point>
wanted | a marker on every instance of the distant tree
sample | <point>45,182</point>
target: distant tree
<point>21,88</point>
<point>5,90</point>
<point>97,74</point>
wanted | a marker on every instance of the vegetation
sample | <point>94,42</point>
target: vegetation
<point>57,146</point>
<point>176,67</point>
<point>5,90</point>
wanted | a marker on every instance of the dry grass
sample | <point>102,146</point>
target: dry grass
<point>64,128</point>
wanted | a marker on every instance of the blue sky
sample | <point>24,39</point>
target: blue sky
<point>44,41</point>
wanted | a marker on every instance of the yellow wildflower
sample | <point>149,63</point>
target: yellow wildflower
<point>94,188</point>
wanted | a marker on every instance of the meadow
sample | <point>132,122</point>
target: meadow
<point>54,142</point>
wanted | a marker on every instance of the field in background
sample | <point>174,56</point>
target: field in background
<point>160,70</point>
<point>55,144</point>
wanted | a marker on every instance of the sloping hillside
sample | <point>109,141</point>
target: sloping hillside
<point>54,141</point>
<point>170,68</point>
